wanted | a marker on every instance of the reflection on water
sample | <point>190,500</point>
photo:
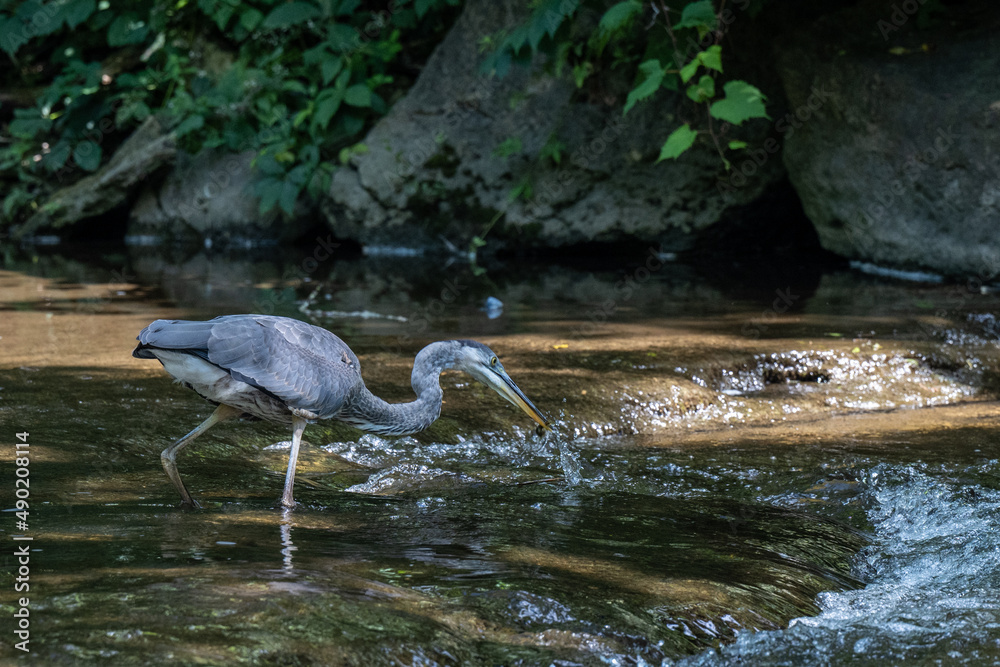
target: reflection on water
<point>705,499</point>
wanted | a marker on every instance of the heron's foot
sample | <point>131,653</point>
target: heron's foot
<point>287,503</point>
<point>190,504</point>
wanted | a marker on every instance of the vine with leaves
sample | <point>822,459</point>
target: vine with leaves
<point>565,32</point>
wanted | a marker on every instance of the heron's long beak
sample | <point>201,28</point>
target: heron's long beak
<point>504,386</point>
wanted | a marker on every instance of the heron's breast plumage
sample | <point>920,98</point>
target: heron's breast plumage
<point>217,385</point>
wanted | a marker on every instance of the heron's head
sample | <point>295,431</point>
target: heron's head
<point>482,363</point>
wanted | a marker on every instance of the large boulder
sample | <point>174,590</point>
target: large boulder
<point>894,140</point>
<point>432,168</point>
<point>208,197</point>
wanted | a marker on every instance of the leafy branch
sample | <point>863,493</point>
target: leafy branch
<point>554,28</point>
<point>740,102</point>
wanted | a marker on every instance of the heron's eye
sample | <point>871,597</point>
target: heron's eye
<point>493,361</point>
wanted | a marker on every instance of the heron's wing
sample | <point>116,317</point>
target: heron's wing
<point>305,366</point>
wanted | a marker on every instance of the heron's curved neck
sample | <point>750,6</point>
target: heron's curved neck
<point>370,413</point>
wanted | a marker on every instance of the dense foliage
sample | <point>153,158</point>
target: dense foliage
<point>297,82</point>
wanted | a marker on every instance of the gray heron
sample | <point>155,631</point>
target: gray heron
<point>283,370</point>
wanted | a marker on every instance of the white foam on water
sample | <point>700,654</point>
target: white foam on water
<point>934,583</point>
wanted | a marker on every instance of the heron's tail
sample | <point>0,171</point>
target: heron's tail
<point>181,335</point>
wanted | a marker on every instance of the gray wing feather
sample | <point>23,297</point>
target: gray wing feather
<point>305,366</point>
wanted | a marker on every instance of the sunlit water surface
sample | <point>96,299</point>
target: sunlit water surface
<point>844,537</point>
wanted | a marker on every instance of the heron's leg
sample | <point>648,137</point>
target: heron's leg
<point>298,425</point>
<point>169,456</point>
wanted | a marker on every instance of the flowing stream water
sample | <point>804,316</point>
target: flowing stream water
<point>804,470</point>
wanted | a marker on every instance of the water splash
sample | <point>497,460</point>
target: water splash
<point>405,464</point>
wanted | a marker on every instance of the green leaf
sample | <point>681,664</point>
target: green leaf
<point>346,7</point>
<point>327,104</point>
<point>703,90</point>
<point>127,29</point>
<point>87,155</point>
<point>536,31</point>
<point>268,189</point>
<point>15,198</point>
<point>341,37</point>
<point>358,95</point>
<point>289,14</point>
<point>342,81</point>
<point>223,14</point>
<point>742,102</point>
<point>551,13</point>
<point>653,72</point>
<point>347,152</point>
<point>267,165</point>
<point>689,70</point>
<point>13,35</point>
<point>619,16</point>
<point>309,155</point>
<point>189,124</point>
<point>508,147</point>
<point>422,7</point>
<point>301,116</point>
<point>299,176</point>
<point>316,55</point>
<point>102,18</point>
<point>289,195</point>
<point>679,141</point>
<point>698,15</point>
<point>319,184</point>
<point>294,86</point>
<point>56,158</point>
<point>552,149</point>
<point>711,57</point>
<point>251,18</point>
<point>331,68</point>
<point>126,112</point>
<point>78,11</point>
<point>737,145</point>
<point>29,127</point>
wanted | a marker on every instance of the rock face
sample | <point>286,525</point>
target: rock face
<point>149,148</point>
<point>432,169</point>
<point>896,156</point>
<point>207,197</point>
